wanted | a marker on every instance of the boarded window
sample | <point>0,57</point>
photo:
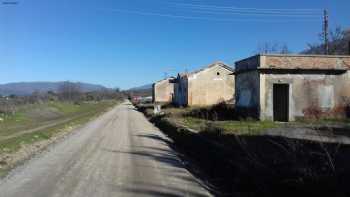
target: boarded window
<point>326,96</point>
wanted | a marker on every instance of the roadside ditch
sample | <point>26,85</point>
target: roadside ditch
<point>264,165</point>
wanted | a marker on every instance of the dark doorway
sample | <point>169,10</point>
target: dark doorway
<point>281,102</point>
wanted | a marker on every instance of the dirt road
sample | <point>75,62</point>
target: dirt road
<point>118,154</point>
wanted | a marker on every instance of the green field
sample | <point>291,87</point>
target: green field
<point>37,122</point>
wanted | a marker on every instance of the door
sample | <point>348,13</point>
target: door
<point>281,102</point>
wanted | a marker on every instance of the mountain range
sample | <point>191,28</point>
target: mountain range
<point>144,87</point>
<point>27,88</point>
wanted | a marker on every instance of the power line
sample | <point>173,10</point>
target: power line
<point>222,10</point>
<point>205,18</point>
<point>214,7</point>
<point>259,14</point>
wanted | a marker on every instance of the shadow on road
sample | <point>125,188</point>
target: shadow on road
<point>169,167</point>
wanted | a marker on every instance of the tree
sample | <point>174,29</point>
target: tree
<point>338,43</point>
<point>12,96</point>
<point>275,47</point>
<point>51,95</point>
<point>35,97</point>
<point>69,91</point>
<point>284,49</point>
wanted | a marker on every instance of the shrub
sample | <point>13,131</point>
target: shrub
<point>347,111</point>
<point>221,111</point>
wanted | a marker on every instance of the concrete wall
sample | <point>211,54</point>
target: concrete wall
<point>309,93</point>
<point>163,91</point>
<point>342,90</point>
<point>210,86</point>
<point>247,90</point>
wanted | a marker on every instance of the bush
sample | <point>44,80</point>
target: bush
<point>347,111</point>
<point>221,111</point>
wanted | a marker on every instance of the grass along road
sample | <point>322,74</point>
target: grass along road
<point>33,124</point>
<point>36,115</point>
<point>247,127</point>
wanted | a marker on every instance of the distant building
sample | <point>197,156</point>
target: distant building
<point>207,86</point>
<point>288,87</point>
<point>163,91</point>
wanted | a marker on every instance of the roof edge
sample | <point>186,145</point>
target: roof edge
<point>220,63</point>
<point>168,78</point>
<point>248,58</point>
<point>304,55</point>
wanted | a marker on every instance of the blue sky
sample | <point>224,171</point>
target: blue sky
<point>130,43</point>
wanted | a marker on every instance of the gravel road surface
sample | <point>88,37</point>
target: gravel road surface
<point>118,154</point>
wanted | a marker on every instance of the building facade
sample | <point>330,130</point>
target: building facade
<point>208,86</point>
<point>288,87</point>
<point>163,91</point>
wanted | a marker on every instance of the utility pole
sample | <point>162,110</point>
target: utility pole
<point>325,32</point>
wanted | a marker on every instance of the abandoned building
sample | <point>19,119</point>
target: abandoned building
<point>204,87</point>
<point>163,91</point>
<point>288,87</point>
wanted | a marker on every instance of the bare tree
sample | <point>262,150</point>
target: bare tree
<point>274,47</point>
<point>338,43</point>
<point>284,49</point>
<point>35,97</point>
<point>69,91</point>
<point>7,106</point>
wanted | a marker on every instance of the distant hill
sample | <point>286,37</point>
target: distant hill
<point>145,90</point>
<point>27,88</point>
<point>144,87</point>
